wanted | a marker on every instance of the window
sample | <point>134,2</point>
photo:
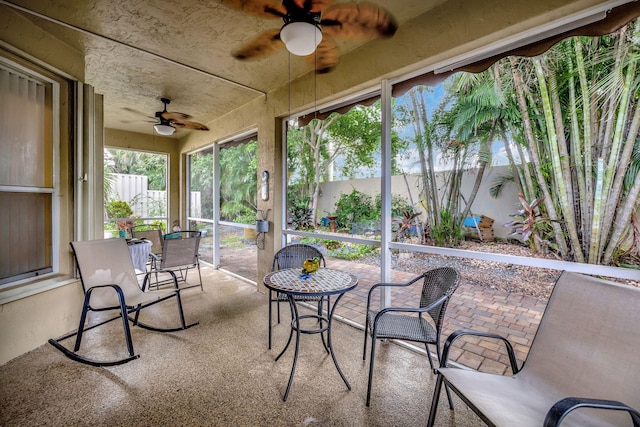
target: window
<point>333,190</point>
<point>222,192</point>
<point>495,155</point>
<point>27,175</point>
<point>333,180</point>
<point>135,190</point>
<point>200,200</point>
<point>460,150</point>
<point>238,181</point>
<point>238,165</point>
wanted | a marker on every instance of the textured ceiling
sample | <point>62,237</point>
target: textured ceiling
<point>134,48</point>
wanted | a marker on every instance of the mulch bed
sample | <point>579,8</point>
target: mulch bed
<point>535,282</point>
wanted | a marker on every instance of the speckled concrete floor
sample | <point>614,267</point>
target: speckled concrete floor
<point>220,373</point>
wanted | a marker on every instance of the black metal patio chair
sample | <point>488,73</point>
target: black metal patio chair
<point>293,256</point>
<point>411,323</point>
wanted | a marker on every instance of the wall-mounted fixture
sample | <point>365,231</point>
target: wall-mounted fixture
<point>264,187</point>
<point>262,227</point>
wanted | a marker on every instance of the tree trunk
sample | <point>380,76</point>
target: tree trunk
<point>419,122</point>
<point>584,165</point>
<point>316,130</point>
<point>483,164</point>
<point>609,112</point>
<point>535,159</point>
<point>562,186</point>
<point>518,170</point>
<point>618,164</point>
<point>622,220</point>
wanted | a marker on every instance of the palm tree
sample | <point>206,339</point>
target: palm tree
<point>238,182</point>
<point>580,120</point>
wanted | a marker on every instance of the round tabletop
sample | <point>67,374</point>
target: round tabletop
<point>325,281</point>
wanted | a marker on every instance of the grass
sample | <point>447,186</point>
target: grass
<point>232,240</point>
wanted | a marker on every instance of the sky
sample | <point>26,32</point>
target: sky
<point>408,160</point>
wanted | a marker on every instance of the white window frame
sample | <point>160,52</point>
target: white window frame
<point>54,86</point>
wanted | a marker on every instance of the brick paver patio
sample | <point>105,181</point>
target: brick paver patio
<point>472,307</point>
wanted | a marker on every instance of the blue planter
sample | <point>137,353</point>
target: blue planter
<point>415,230</point>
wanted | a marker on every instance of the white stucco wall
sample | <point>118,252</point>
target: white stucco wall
<point>484,204</point>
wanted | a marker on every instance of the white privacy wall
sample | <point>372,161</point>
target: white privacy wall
<point>133,190</point>
<point>484,204</point>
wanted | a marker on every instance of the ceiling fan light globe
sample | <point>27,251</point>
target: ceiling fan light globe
<point>301,38</point>
<point>165,130</point>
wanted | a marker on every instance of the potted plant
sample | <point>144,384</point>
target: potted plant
<point>124,228</point>
<point>119,210</point>
<point>250,234</point>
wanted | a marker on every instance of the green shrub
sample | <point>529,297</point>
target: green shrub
<point>352,251</point>
<point>118,209</point>
<point>313,241</point>
<point>159,223</point>
<point>359,208</point>
<point>398,205</point>
<point>332,244</point>
<point>246,217</point>
<point>300,215</point>
<point>341,250</point>
<point>447,232</point>
<point>355,207</point>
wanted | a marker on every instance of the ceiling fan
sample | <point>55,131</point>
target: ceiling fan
<point>310,26</point>
<point>171,120</point>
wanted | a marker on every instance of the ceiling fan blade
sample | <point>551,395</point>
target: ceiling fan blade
<point>139,121</point>
<point>313,6</point>
<point>263,8</point>
<point>326,56</point>
<point>139,113</point>
<point>189,125</point>
<point>360,21</point>
<point>263,45</point>
<point>174,116</point>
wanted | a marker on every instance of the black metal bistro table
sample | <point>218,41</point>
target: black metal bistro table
<point>323,283</point>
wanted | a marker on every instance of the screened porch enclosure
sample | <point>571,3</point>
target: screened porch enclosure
<point>222,204</point>
<point>489,157</point>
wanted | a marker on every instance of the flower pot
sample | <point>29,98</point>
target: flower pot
<point>262,226</point>
<point>250,234</point>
